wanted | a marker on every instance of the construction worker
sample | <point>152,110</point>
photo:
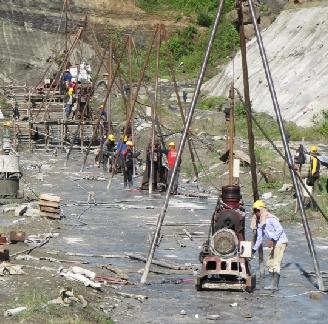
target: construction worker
<point>128,164</point>
<point>269,227</point>
<point>314,170</point>
<point>120,148</point>
<point>108,152</point>
<point>171,158</point>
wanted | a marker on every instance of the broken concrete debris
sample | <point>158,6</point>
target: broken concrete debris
<point>67,298</point>
<point>7,268</point>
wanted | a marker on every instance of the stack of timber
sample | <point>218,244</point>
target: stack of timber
<point>49,206</point>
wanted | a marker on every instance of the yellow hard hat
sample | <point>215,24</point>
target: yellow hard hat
<point>171,144</point>
<point>125,138</point>
<point>258,204</point>
<point>7,124</point>
<point>314,149</point>
<point>111,137</point>
<point>129,143</point>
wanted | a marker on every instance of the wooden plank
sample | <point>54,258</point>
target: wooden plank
<point>50,215</point>
<point>50,197</point>
<point>48,203</point>
<point>50,209</point>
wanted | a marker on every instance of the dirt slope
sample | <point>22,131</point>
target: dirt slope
<point>296,46</point>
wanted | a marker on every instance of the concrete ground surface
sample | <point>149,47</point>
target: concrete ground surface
<point>122,222</point>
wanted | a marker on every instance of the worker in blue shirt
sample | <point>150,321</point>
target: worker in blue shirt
<point>269,227</point>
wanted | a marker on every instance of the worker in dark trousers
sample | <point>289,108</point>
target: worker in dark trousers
<point>157,159</point>
<point>171,158</point>
<point>128,163</point>
<point>314,170</point>
<point>269,227</point>
<point>108,152</point>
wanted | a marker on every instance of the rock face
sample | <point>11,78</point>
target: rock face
<point>296,45</point>
<point>29,30</point>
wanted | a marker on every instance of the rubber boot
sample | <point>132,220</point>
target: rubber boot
<point>130,184</point>
<point>275,276</point>
<point>276,280</point>
<point>125,185</point>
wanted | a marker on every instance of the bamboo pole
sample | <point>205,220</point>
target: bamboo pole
<point>135,97</point>
<point>182,144</point>
<point>183,116</point>
<point>231,131</point>
<point>153,113</point>
<point>103,107</point>
<point>288,155</point>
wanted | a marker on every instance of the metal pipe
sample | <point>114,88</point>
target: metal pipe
<point>286,147</point>
<point>182,143</point>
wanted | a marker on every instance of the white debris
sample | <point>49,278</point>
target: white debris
<point>267,195</point>
<point>78,270</point>
<point>234,304</point>
<point>7,268</point>
<point>69,274</point>
<point>14,311</point>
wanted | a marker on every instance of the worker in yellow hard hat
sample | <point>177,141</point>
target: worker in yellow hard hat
<point>269,227</point>
<point>108,152</point>
<point>111,137</point>
<point>314,170</point>
<point>128,157</point>
<point>7,124</point>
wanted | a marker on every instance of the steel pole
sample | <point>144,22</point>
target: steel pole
<point>286,147</point>
<point>182,143</point>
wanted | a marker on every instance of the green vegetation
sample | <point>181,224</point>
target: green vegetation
<point>5,107</point>
<point>212,103</point>
<point>39,312</point>
<point>323,128</point>
<point>269,123</point>
<point>187,45</point>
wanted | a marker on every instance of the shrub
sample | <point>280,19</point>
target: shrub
<point>204,19</point>
<point>212,103</point>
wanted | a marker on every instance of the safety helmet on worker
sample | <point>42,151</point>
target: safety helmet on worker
<point>125,138</point>
<point>111,137</point>
<point>171,144</point>
<point>129,143</point>
<point>314,149</point>
<point>7,124</point>
<point>258,204</point>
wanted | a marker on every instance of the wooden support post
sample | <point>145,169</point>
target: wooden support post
<point>30,127</point>
<point>81,136</point>
<point>249,123</point>
<point>183,116</point>
<point>153,112</point>
<point>47,133</point>
<point>231,131</point>
<point>110,74</point>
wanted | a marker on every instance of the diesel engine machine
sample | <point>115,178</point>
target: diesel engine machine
<point>224,256</point>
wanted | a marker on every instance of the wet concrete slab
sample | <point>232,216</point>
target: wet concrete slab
<point>99,229</point>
